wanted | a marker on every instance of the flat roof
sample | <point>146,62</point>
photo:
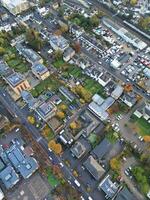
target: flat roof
<point>14,79</point>
<point>39,68</point>
<point>68,94</point>
<point>59,41</point>
<point>9,177</point>
<point>45,108</point>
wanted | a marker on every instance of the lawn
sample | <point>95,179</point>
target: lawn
<point>52,180</point>
<point>93,87</point>
<point>50,83</point>
<point>93,139</point>
<point>58,63</point>
<point>142,126</point>
<point>75,71</point>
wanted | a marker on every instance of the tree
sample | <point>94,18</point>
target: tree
<point>146,138</point>
<point>63,107</point>
<point>57,148</point>
<point>58,54</point>
<point>115,164</point>
<point>31,119</point>
<point>73,125</point>
<point>133,2</point>
<point>83,93</point>
<point>2,51</point>
<point>77,47</point>
<point>94,21</point>
<point>58,32</point>
<point>64,28</point>
<point>60,115</point>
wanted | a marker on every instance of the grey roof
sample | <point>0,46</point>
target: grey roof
<point>4,69</point>
<point>14,79</point>
<point>28,98</point>
<point>147,109</point>
<point>80,147</point>
<point>68,51</point>
<point>102,149</point>
<point>125,194</point>
<point>24,164</point>
<point>69,95</point>
<point>45,109</point>
<point>59,41</point>
<point>94,168</point>
<point>39,68</point>
<point>108,187</point>
<point>117,92</point>
<point>29,54</point>
<point>9,177</point>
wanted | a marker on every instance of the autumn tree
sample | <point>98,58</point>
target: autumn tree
<point>94,21</point>
<point>60,115</point>
<point>115,164</point>
<point>31,119</point>
<point>64,28</point>
<point>77,47</point>
<point>133,2</point>
<point>63,107</point>
<point>146,138</point>
<point>56,147</point>
<point>73,125</point>
<point>83,93</point>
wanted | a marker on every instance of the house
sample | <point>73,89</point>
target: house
<point>17,82</point>
<point>68,54</point>
<point>146,111</point>
<point>94,168</point>
<point>40,71</point>
<point>28,99</point>
<point>16,6</point>
<point>30,55</point>
<point>129,99</point>
<point>76,30</point>
<point>58,43</point>
<point>69,95</point>
<point>109,188</point>
<point>125,194</point>
<point>104,79</point>
<point>117,92</point>
<point>102,149</point>
<point>80,148</point>
<point>65,137</point>
<point>46,110</point>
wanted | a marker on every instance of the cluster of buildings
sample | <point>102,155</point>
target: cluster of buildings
<point>15,163</point>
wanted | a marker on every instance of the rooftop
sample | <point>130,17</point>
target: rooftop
<point>125,194</point>
<point>39,68</point>
<point>14,79</point>
<point>94,168</point>
<point>59,41</point>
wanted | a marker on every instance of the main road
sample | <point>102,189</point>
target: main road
<point>16,112</point>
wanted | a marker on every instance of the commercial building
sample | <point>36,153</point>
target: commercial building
<point>123,33</point>
<point>40,71</point>
<point>46,110</point>
<point>94,168</point>
<point>108,187</point>
<point>16,6</point>
<point>17,82</point>
<point>58,43</point>
<point>117,92</point>
<point>30,55</point>
<point>115,64</point>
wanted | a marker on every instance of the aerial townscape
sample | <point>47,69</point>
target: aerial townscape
<point>74,99</point>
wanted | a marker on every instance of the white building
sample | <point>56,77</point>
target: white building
<point>15,6</point>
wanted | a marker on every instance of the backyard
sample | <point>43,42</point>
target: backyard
<point>53,181</point>
<point>141,126</point>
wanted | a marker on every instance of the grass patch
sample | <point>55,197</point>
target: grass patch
<point>112,137</point>
<point>52,180</point>
<point>143,127</point>
<point>58,63</point>
<point>93,87</point>
<point>93,139</point>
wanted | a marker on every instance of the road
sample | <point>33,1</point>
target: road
<point>15,111</point>
<point>130,162</point>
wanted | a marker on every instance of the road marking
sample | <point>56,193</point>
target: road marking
<point>38,139</point>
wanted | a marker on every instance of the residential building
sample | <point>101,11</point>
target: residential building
<point>40,71</point>
<point>68,54</point>
<point>17,82</point>
<point>109,188</point>
<point>68,94</point>
<point>28,99</point>
<point>58,43</point>
<point>94,168</point>
<point>102,149</point>
<point>46,110</point>
<point>30,55</point>
<point>65,137</point>
<point>117,92</point>
<point>76,30</point>
<point>125,194</point>
<point>80,148</point>
<point>16,6</point>
<point>129,98</point>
